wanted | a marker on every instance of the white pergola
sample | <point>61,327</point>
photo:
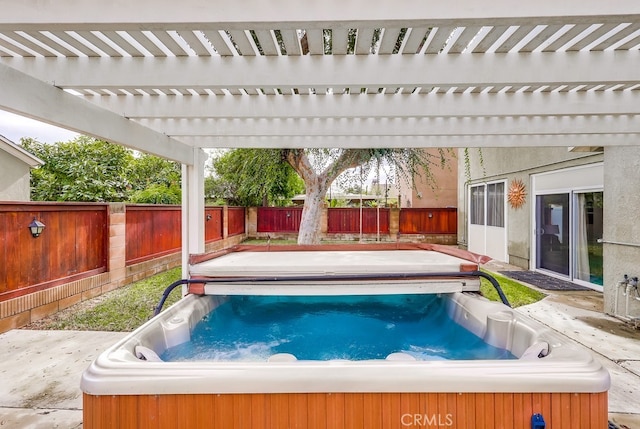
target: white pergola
<point>171,78</point>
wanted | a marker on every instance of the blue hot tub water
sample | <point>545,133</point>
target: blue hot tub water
<point>252,328</point>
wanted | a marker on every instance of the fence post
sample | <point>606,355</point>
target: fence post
<point>225,221</point>
<point>394,223</point>
<point>252,222</point>
<point>324,221</point>
<point>117,244</point>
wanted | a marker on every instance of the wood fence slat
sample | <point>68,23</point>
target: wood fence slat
<point>75,242</point>
<point>428,220</point>
<point>347,220</point>
<point>72,243</point>
<point>152,231</point>
<point>279,219</point>
<point>213,224</point>
<point>236,222</point>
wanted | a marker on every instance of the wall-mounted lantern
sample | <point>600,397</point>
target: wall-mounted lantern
<point>36,227</point>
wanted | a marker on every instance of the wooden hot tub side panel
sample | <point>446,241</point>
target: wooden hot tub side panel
<point>346,410</point>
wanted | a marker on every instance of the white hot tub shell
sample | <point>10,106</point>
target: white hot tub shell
<point>548,376</point>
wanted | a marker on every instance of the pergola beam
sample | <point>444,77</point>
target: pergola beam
<point>376,105</point>
<point>30,97</point>
<point>258,14</point>
<point>431,126</point>
<point>450,141</point>
<point>313,71</point>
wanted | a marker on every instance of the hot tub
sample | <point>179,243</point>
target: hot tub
<point>129,386</point>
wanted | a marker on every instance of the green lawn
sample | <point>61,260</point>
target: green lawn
<point>124,309</point>
<point>517,293</point>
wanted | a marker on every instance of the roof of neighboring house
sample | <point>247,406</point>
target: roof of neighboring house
<point>13,149</point>
<point>340,196</point>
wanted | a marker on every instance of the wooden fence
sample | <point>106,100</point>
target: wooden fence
<point>236,221</point>
<point>73,245</point>
<point>347,220</point>
<point>429,221</point>
<point>214,223</point>
<point>440,221</point>
<point>279,219</point>
<point>76,239</point>
<point>152,231</point>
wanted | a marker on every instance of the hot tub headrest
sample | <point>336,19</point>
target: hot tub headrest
<point>535,351</point>
<point>145,353</point>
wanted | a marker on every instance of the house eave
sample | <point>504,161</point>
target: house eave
<point>16,151</point>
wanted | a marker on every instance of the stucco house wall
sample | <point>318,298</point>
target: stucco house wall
<point>621,208</point>
<point>621,226</point>
<point>510,164</point>
<point>14,180</point>
<point>15,166</point>
<point>443,192</point>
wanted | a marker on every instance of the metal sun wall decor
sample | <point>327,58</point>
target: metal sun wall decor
<point>517,194</point>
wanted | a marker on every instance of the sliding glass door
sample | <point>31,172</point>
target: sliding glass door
<point>568,230</point>
<point>588,233</point>
<point>552,233</point>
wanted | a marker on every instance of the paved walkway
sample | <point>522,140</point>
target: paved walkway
<point>40,370</point>
<point>40,376</point>
<point>579,316</point>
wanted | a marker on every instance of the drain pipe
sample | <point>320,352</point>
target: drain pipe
<point>387,276</point>
<point>495,285</point>
<point>170,289</point>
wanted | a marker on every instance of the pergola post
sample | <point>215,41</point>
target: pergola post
<point>192,208</point>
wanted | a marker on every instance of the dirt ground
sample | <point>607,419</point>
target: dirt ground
<point>50,322</point>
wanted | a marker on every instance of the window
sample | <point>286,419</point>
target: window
<point>491,196</point>
<point>477,205</point>
<point>495,204</point>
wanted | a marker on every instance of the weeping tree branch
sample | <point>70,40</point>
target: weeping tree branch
<point>408,164</point>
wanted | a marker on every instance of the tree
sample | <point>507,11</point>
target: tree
<point>155,180</point>
<point>84,169</point>
<point>253,177</point>
<point>319,168</point>
<point>87,169</point>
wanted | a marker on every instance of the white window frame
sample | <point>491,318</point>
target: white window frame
<point>491,239</point>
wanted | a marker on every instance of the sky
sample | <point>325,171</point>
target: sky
<point>14,127</point>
